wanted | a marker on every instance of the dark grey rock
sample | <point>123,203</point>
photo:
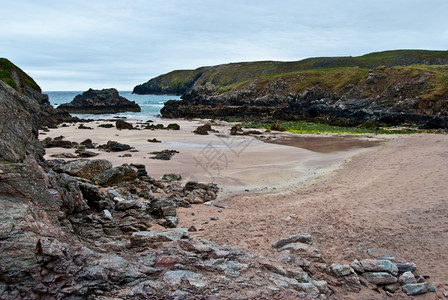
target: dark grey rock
<point>171,177</point>
<point>340,270</point>
<point>298,238</point>
<point>407,278</point>
<point>145,238</point>
<point>121,124</point>
<point>116,175</point>
<point>100,102</point>
<point>379,265</point>
<point>112,146</point>
<point>415,288</point>
<point>84,168</point>
<point>378,278</point>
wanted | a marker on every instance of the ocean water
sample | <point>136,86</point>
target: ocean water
<point>150,105</point>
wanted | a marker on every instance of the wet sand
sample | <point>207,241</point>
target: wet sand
<point>235,163</point>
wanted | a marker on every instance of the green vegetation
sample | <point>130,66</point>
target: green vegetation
<point>317,128</point>
<point>9,72</point>
<point>235,75</point>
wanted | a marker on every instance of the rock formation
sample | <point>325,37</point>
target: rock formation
<point>385,88</point>
<point>100,102</point>
<point>47,115</point>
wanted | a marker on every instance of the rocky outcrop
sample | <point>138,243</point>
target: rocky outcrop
<point>100,102</point>
<point>395,96</point>
<point>47,115</point>
<point>180,81</point>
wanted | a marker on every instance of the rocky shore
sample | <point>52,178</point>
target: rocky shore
<point>83,227</point>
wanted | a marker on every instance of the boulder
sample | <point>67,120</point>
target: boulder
<point>171,177</point>
<point>104,101</point>
<point>204,129</point>
<point>116,175</point>
<point>145,238</point>
<point>57,142</point>
<point>164,154</point>
<point>407,278</point>
<point>84,168</point>
<point>382,278</point>
<point>340,270</point>
<point>113,146</point>
<point>141,169</point>
<point>88,144</point>
<point>379,265</point>
<point>120,124</point>
<point>297,238</point>
<point>173,126</point>
<point>415,288</point>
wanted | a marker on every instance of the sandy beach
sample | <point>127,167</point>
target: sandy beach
<point>392,198</point>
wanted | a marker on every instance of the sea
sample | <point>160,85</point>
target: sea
<point>150,105</point>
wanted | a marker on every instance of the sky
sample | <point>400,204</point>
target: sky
<point>82,44</point>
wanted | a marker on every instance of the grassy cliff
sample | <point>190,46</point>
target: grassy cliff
<point>15,77</point>
<point>233,75</point>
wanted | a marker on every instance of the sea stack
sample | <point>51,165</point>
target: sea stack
<point>103,101</point>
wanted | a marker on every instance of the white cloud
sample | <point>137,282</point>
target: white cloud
<point>97,43</point>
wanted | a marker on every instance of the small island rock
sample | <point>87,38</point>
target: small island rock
<point>100,102</point>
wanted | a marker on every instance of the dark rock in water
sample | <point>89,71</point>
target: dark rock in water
<point>120,124</point>
<point>164,154</point>
<point>113,146</point>
<point>117,175</point>
<point>100,102</point>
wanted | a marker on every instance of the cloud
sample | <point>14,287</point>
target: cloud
<point>80,44</point>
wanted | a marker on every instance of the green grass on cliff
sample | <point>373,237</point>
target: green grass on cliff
<point>228,76</point>
<point>7,69</point>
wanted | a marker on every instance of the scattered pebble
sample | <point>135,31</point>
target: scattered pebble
<point>214,218</point>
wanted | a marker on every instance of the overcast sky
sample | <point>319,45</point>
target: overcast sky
<point>76,45</point>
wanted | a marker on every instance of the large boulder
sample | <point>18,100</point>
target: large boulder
<point>100,102</point>
<point>117,175</point>
<point>84,168</point>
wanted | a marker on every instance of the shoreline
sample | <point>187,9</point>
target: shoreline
<point>236,163</point>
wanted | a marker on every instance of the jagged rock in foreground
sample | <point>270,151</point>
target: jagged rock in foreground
<point>100,102</point>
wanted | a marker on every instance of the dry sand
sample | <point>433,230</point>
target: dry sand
<point>393,197</point>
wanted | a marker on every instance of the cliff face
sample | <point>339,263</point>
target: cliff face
<point>100,102</point>
<point>17,79</point>
<point>415,93</point>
